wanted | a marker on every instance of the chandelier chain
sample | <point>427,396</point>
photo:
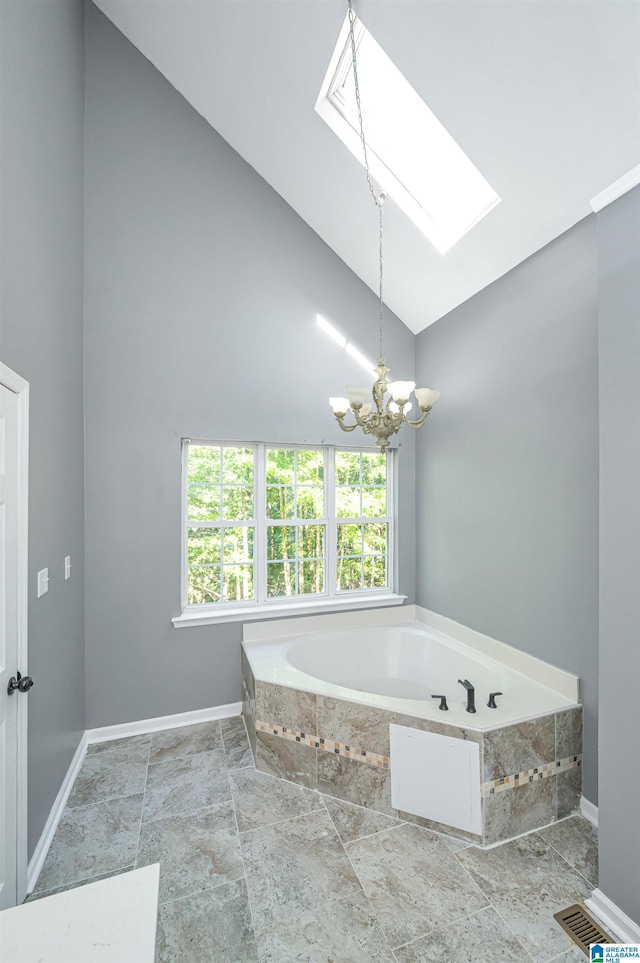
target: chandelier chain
<point>378,199</point>
<point>380,417</point>
<point>354,62</point>
<point>382,196</point>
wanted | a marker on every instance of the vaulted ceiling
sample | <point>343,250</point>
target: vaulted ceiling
<point>543,96</point>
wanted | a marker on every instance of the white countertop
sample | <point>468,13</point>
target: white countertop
<point>111,921</point>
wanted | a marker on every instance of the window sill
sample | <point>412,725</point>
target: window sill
<point>240,613</point>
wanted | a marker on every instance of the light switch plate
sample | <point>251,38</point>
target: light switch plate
<point>67,567</point>
<point>43,581</point>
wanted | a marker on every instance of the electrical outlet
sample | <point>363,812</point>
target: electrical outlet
<point>67,567</point>
<point>43,581</point>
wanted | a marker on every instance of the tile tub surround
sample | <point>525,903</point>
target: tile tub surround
<point>530,771</point>
<point>274,872</point>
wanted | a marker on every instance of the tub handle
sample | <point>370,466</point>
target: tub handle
<point>492,700</point>
<point>443,701</point>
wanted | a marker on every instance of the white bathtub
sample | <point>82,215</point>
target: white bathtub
<point>400,667</point>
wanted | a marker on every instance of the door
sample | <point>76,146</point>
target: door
<point>12,643</point>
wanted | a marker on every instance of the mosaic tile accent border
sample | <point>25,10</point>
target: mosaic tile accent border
<point>324,745</point>
<point>490,788</point>
<point>531,775</point>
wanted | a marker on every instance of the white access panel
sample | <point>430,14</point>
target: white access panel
<point>436,777</point>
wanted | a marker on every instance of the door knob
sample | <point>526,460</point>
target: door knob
<point>19,683</point>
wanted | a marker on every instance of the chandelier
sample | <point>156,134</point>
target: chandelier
<point>384,416</point>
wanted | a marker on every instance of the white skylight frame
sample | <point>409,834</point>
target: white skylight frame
<point>411,154</point>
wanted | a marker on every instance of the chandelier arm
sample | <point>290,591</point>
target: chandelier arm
<point>419,421</point>
<point>369,423</point>
<point>340,420</point>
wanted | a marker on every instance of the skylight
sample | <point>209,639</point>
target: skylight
<point>411,155</point>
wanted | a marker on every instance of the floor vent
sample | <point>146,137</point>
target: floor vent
<point>581,927</point>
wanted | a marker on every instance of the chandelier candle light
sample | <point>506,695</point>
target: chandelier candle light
<point>379,419</point>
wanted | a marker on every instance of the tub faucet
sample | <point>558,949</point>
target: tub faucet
<point>471,695</point>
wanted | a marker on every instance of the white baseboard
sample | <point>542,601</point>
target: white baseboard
<point>42,847</point>
<point>589,811</point>
<point>622,926</point>
<point>124,729</point>
<point>105,734</point>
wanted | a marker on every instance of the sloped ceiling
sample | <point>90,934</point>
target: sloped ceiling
<point>544,97</point>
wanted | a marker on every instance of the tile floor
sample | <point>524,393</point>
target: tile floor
<point>257,870</point>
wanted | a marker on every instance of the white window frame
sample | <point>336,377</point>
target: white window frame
<point>330,600</point>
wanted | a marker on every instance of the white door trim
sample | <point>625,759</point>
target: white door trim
<point>20,387</point>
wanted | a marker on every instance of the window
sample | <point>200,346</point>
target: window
<point>270,524</point>
<point>362,522</point>
<point>220,525</point>
<point>295,522</point>
<point>411,154</point>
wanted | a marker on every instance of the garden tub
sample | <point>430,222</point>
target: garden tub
<point>323,707</point>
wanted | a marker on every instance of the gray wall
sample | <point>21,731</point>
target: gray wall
<point>41,339</point>
<point>619,334</point>
<point>202,288</point>
<point>507,466</point>
<point>186,250</point>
